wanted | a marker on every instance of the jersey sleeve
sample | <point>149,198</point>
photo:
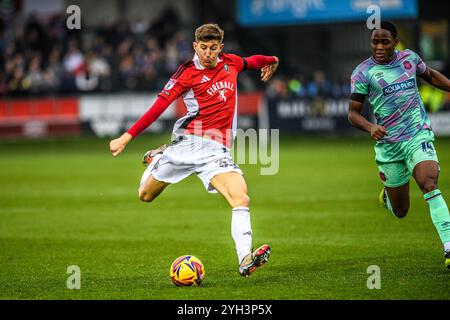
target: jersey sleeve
<point>257,62</point>
<point>177,85</point>
<point>359,84</point>
<point>238,61</point>
<point>158,107</point>
<point>421,67</point>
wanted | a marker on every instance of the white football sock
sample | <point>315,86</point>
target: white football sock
<point>241,231</point>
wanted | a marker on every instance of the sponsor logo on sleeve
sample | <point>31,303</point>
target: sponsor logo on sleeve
<point>170,84</point>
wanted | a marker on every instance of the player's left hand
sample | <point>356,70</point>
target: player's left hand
<point>268,71</point>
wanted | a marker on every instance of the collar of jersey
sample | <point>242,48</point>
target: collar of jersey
<point>197,62</point>
<point>388,63</point>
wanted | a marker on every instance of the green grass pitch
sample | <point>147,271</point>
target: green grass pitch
<point>69,202</point>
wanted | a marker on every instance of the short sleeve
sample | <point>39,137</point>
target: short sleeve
<point>359,83</point>
<point>177,85</point>
<point>421,67</point>
<point>238,62</point>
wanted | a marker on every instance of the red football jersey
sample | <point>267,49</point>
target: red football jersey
<point>210,96</point>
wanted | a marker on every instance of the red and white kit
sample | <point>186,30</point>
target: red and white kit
<point>210,96</point>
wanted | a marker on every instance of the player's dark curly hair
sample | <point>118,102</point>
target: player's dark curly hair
<point>389,26</point>
<point>209,31</point>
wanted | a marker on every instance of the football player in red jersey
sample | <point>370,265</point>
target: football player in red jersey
<point>203,137</point>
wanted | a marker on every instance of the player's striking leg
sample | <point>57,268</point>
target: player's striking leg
<point>152,156</point>
<point>233,187</point>
<point>426,174</point>
<point>149,187</point>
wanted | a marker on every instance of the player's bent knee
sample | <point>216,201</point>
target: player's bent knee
<point>429,186</point>
<point>242,201</point>
<point>246,201</point>
<point>146,196</point>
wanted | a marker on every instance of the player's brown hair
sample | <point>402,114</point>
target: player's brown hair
<point>207,32</point>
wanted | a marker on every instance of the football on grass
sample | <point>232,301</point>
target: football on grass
<point>187,271</point>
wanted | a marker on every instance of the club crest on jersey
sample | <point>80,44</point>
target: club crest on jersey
<point>222,95</point>
<point>170,84</point>
<point>407,65</point>
<point>225,66</point>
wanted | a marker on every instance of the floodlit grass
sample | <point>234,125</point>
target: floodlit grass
<point>68,202</point>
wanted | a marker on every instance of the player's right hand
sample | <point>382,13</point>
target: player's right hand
<point>377,132</point>
<point>116,146</point>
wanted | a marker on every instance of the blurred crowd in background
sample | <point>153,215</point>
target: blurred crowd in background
<point>42,56</point>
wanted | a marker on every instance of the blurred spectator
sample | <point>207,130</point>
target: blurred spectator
<point>86,81</point>
<point>35,75</point>
<point>98,65</point>
<point>74,63</point>
<point>297,86</point>
<point>319,86</point>
<point>278,89</point>
<point>54,70</point>
<point>140,26</point>
<point>18,83</point>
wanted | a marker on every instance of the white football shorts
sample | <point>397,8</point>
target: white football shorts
<point>190,154</point>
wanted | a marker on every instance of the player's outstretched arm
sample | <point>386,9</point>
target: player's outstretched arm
<point>436,79</point>
<point>116,146</point>
<point>267,64</point>
<point>358,121</point>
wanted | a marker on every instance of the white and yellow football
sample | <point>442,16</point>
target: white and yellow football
<point>186,271</point>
